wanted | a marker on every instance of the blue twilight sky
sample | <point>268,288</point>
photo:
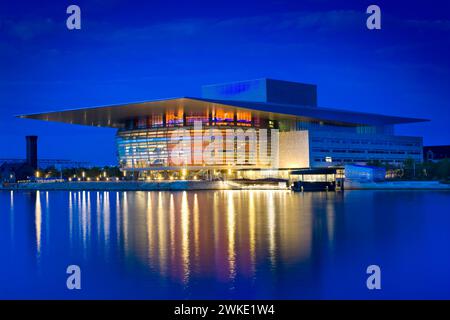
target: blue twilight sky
<point>140,50</point>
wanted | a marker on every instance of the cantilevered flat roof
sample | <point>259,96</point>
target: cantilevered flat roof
<point>115,116</point>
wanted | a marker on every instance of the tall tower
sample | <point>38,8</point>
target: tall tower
<point>32,158</point>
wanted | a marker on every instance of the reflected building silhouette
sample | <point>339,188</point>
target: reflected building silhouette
<point>219,244</point>
<point>230,237</point>
<point>222,235</point>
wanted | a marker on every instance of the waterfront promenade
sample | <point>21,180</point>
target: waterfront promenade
<point>120,185</point>
<point>209,185</point>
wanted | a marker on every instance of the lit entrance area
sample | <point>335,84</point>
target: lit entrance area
<point>320,179</point>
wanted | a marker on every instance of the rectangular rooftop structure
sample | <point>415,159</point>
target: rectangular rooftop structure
<point>264,90</point>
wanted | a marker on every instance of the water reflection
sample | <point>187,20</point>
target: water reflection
<point>38,223</point>
<point>182,236</point>
<point>224,244</point>
<point>271,224</point>
<point>231,231</point>
<point>218,234</point>
<point>11,217</point>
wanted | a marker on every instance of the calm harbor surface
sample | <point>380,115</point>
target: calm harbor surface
<point>224,244</point>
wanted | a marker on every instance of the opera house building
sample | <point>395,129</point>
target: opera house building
<point>257,126</point>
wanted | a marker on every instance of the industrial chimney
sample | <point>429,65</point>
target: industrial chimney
<point>32,158</point>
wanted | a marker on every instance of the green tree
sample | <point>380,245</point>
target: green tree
<point>443,169</point>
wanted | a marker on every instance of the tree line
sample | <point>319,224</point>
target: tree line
<point>412,170</point>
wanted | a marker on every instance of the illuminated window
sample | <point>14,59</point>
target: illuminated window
<point>192,117</point>
<point>244,118</point>
<point>155,121</point>
<point>174,119</point>
<point>221,117</point>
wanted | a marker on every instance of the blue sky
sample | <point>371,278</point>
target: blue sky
<point>140,50</point>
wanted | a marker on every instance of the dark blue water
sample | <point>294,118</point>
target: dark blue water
<point>225,244</point>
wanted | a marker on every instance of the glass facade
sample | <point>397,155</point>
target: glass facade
<point>152,148</point>
<point>296,125</point>
<point>150,142</point>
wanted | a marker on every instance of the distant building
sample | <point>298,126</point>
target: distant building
<point>21,170</point>
<point>12,172</point>
<point>309,136</point>
<point>435,153</point>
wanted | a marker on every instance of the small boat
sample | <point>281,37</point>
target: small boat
<point>300,186</point>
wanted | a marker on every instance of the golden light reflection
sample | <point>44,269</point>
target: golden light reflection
<point>162,234</point>
<point>38,222</point>
<point>231,229</point>
<point>296,229</point>
<point>271,227</point>
<point>196,213</point>
<point>219,234</point>
<point>185,236</point>
<point>149,224</point>
<point>251,230</point>
<point>216,231</point>
<point>171,223</point>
